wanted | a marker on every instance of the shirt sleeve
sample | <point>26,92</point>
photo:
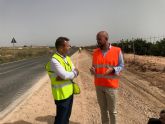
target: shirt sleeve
<point>120,65</point>
<point>73,67</point>
<point>60,71</point>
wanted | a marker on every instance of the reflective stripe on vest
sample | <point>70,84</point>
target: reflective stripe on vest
<point>106,76</point>
<point>56,86</point>
<point>102,66</point>
<point>60,89</point>
<point>102,63</point>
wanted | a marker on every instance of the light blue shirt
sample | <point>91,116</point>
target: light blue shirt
<point>120,65</point>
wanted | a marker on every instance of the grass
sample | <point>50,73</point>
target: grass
<point>8,55</point>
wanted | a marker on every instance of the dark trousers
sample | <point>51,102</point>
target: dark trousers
<point>154,121</point>
<point>64,109</point>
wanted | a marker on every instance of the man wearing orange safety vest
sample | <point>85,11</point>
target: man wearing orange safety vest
<point>106,66</point>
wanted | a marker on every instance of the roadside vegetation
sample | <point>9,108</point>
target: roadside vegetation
<point>142,47</point>
<point>139,46</point>
<point>8,54</point>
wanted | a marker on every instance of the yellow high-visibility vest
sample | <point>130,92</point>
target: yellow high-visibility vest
<point>60,89</point>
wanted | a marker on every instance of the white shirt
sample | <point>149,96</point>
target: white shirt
<point>60,70</point>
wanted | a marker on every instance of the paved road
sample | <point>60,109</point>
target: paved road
<point>17,77</point>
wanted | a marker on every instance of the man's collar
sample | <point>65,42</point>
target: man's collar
<point>110,46</point>
<point>61,55</point>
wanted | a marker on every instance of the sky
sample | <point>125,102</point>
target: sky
<point>41,22</point>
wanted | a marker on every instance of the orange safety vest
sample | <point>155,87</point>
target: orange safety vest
<point>102,63</point>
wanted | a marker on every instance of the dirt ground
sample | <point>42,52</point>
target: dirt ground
<point>150,68</point>
<point>138,100</point>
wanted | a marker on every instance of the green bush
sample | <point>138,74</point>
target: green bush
<point>142,47</point>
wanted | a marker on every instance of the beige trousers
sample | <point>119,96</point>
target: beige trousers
<point>107,99</point>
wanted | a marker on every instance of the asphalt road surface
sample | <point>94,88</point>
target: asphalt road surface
<point>17,77</point>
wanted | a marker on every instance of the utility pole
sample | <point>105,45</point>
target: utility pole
<point>13,42</point>
<point>122,46</point>
<point>154,39</point>
<point>133,48</point>
<point>122,40</point>
<point>150,39</point>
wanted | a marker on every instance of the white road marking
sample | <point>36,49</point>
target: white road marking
<point>19,61</point>
<point>17,68</point>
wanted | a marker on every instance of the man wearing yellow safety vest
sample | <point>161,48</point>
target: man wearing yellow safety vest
<point>80,49</point>
<point>106,66</point>
<point>61,72</point>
